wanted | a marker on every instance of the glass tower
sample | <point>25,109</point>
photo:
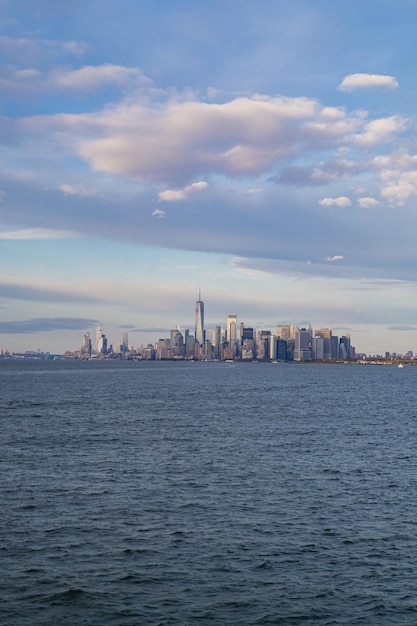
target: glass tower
<point>199,320</point>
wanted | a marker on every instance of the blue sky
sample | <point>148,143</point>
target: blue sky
<point>264,152</point>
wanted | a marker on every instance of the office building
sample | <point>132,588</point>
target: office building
<point>199,320</point>
<point>302,350</point>
<point>326,334</point>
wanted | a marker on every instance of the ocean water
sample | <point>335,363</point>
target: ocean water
<point>207,493</point>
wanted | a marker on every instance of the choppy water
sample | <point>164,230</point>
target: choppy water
<point>187,493</point>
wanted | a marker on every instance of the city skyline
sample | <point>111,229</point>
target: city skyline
<point>232,339</point>
<point>263,151</point>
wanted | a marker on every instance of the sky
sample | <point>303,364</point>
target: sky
<point>263,151</point>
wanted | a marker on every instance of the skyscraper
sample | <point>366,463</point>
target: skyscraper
<point>101,342</point>
<point>326,333</point>
<point>231,328</point>
<point>199,320</point>
<point>302,350</point>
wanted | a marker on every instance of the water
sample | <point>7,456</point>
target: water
<point>207,493</point>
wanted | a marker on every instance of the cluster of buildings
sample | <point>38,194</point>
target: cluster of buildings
<point>234,341</point>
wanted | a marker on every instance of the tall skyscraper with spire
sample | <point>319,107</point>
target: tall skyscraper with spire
<point>199,320</point>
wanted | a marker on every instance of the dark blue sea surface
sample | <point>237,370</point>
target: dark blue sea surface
<point>151,493</point>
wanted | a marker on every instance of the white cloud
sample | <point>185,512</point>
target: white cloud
<point>39,233</point>
<point>77,190</point>
<point>367,202</point>
<point>338,257</point>
<point>159,213</point>
<point>341,201</point>
<point>367,81</point>
<point>398,177</point>
<point>381,130</point>
<point>92,77</point>
<point>77,48</point>
<point>23,49</point>
<point>174,195</point>
<point>397,187</point>
<point>174,141</point>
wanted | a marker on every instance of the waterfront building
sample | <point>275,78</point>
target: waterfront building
<point>199,320</point>
<point>344,346</point>
<point>101,342</point>
<point>231,328</point>
<point>326,334</point>
<point>247,333</point>
<point>148,353</point>
<point>334,343</point>
<point>217,341</point>
<point>281,350</point>
<point>190,346</point>
<point>302,350</point>
<point>86,346</point>
<point>263,344</point>
<point>248,350</point>
<point>317,348</point>
<point>231,334</point>
<point>286,331</point>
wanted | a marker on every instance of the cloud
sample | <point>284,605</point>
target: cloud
<point>254,190</point>
<point>39,233</point>
<point>338,257</point>
<point>175,141</point>
<point>152,329</point>
<point>159,213</point>
<point>367,202</point>
<point>367,81</point>
<point>76,48</point>
<point>381,131</point>
<point>341,201</point>
<point>172,195</point>
<point>401,328</point>
<point>77,190</point>
<point>319,173</point>
<point>87,78</point>
<point>178,140</point>
<point>42,324</point>
<point>25,292</point>
<point>91,77</point>
<point>23,49</point>
<point>398,177</point>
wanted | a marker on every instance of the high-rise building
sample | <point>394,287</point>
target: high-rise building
<point>281,349</point>
<point>101,342</point>
<point>98,338</point>
<point>263,345</point>
<point>344,347</point>
<point>246,333</point>
<point>232,334</point>
<point>317,348</point>
<point>217,341</point>
<point>86,347</point>
<point>326,333</point>
<point>302,350</point>
<point>286,331</point>
<point>199,320</point>
<point>334,347</point>
<point>231,328</point>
